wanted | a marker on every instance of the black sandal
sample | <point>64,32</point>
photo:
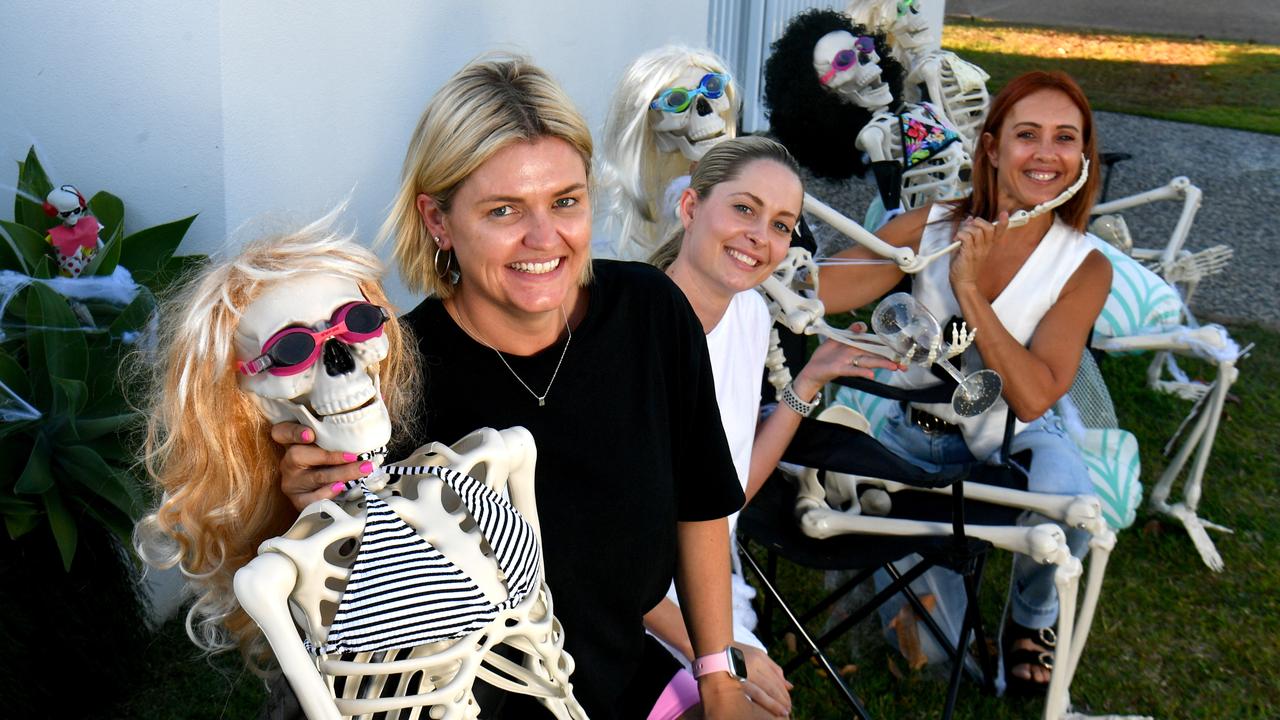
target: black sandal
<point>1046,640</point>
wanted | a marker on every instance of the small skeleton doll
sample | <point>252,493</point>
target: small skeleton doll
<point>671,106</point>
<point>76,240</point>
<point>955,87</point>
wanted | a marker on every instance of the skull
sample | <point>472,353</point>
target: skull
<point>912,32</point>
<point>339,397</point>
<point>860,82</point>
<point>67,203</point>
<point>694,130</point>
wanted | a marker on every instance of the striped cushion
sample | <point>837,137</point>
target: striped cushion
<point>1140,301</point>
<point>1112,458</point>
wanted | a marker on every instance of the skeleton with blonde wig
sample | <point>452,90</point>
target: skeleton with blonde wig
<point>671,106</point>
<point>208,445</point>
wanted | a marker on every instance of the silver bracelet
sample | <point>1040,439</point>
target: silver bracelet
<point>794,402</point>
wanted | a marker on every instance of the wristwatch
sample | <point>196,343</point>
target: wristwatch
<point>730,661</point>
<point>793,401</point>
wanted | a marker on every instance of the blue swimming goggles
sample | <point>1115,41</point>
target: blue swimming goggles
<point>678,99</point>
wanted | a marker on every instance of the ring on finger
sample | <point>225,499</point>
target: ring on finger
<point>856,358</point>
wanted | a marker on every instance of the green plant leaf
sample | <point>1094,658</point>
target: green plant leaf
<point>104,262</point>
<point>63,525</point>
<point>19,525</point>
<point>176,269</point>
<point>94,428</point>
<point>69,398</point>
<point>33,182</point>
<point>146,251</point>
<point>14,505</point>
<point>86,467</point>
<point>10,258</point>
<point>13,428</point>
<point>111,448</point>
<point>115,522</point>
<point>45,268</point>
<point>60,348</point>
<point>37,477</point>
<point>109,210</point>
<point>135,315</point>
<point>29,245</point>
<point>14,376</point>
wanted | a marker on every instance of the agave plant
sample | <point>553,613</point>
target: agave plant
<point>66,448</point>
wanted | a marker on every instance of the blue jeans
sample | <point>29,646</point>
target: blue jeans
<point>1056,468</point>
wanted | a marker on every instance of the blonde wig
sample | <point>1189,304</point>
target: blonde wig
<point>490,103</point>
<point>634,173</point>
<point>208,449</point>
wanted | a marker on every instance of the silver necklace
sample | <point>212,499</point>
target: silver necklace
<point>542,399</point>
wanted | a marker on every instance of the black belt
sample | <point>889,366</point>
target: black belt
<point>930,423</point>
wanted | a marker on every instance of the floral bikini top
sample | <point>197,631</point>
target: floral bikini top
<point>924,135</point>
<point>402,591</point>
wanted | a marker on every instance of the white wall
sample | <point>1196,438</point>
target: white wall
<point>125,100</point>
<point>242,108</point>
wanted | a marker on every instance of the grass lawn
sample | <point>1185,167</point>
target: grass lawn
<point>1209,82</point>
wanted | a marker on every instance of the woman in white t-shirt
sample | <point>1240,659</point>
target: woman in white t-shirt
<point>737,217</point>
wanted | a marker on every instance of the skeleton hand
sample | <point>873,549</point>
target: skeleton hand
<point>961,338</point>
<point>911,263</point>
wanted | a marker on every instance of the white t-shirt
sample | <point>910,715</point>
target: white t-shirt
<point>738,345</point>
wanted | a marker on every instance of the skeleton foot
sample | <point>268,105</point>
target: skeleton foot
<point>1199,537</point>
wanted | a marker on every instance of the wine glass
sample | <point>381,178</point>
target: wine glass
<point>911,330</point>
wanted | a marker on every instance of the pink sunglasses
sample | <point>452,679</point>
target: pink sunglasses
<point>294,349</point>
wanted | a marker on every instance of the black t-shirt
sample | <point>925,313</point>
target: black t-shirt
<point>629,442</point>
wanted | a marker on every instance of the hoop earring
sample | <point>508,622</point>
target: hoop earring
<point>447,274</point>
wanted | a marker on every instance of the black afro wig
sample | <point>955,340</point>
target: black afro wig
<point>816,125</point>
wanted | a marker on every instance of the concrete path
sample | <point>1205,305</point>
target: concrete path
<point>1241,20</point>
<point>1238,171</point>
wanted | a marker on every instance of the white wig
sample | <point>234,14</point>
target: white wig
<point>874,15</point>
<point>633,173</point>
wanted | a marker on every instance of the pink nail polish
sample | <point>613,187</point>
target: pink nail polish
<point>337,487</point>
<point>349,457</point>
<point>308,435</point>
<point>366,467</point>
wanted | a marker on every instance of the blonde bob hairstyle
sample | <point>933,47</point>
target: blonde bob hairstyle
<point>490,103</point>
<point>723,163</point>
<point>634,173</point>
<point>208,449</point>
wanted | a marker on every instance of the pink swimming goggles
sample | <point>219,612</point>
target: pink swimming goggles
<point>294,349</point>
<point>845,59</point>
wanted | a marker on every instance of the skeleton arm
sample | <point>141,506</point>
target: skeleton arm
<point>1178,188</point>
<point>905,258</point>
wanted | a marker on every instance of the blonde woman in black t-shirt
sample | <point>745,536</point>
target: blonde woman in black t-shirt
<point>609,373</point>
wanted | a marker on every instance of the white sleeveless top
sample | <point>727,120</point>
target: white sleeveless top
<point>1020,306</point>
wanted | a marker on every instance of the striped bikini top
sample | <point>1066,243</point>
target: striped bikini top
<point>402,591</point>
